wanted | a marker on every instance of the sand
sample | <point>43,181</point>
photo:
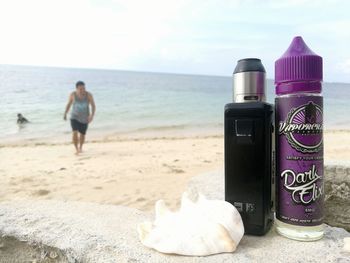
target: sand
<point>133,172</point>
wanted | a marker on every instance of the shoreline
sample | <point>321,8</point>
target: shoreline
<point>103,137</point>
<point>111,136</point>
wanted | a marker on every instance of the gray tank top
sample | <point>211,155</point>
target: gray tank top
<point>80,110</point>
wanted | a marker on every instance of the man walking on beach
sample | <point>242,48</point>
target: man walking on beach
<point>80,115</point>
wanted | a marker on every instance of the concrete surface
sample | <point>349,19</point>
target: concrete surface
<point>56,231</point>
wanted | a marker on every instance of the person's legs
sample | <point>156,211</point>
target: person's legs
<point>75,134</point>
<point>81,141</point>
<point>82,131</point>
<point>75,141</point>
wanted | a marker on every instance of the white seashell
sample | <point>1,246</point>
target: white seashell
<point>201,227</point>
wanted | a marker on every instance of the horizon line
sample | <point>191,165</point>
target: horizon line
<point>141,71</point>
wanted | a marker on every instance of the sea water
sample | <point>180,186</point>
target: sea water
<point>129,102</point>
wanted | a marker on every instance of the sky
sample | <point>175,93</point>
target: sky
<point>182,36</point>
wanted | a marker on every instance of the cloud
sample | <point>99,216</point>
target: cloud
<point>188,36</point>
<point>344,66</point>
<point>277,4</point>
<point>328,28</point>
<point>81,32</point>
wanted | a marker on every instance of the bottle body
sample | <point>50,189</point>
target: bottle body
<point>248,153</point>
<point>299,164</point>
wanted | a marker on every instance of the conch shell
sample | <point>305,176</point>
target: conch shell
<point>201,227</point>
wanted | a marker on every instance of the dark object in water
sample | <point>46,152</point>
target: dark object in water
<point>21,119</point>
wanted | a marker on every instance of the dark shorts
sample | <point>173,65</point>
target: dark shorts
<point>78,126</point>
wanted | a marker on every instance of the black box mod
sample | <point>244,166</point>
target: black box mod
<point>248,148</point>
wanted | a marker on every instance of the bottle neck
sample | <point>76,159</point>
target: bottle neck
<point>298,87</point>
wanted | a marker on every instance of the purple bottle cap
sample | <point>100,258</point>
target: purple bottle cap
<point>298,64</point>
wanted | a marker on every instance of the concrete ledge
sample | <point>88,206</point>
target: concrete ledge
<point>83,232</point>
<point>51,231</point>
<point>54,231</point>
<point>337,197</point>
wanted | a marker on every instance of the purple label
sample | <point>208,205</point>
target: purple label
<point>299,160</point>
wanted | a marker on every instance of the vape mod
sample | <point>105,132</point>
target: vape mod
<point>248,147</point>
<point>299,143</point>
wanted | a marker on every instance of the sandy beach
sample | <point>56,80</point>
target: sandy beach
<point>134,172</point>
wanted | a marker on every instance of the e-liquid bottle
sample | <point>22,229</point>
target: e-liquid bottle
<point>248,147</point>
<point>299,143</point>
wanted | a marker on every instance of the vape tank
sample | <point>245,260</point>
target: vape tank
<point>248,147</point>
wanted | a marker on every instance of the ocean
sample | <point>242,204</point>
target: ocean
<point>130,102</point>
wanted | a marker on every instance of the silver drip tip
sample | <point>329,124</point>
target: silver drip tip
<point>249,81</point>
